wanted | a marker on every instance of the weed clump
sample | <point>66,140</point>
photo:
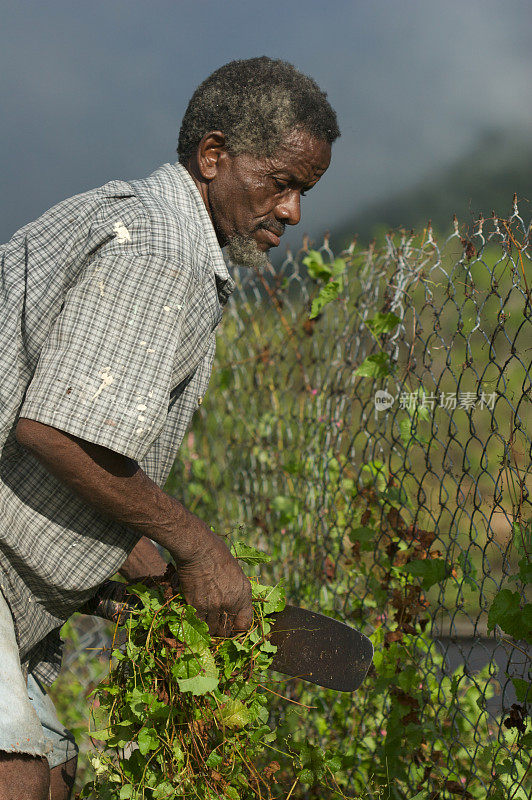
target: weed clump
<point>183,714</point>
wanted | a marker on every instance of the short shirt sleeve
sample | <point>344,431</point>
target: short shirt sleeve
<point>104,373</point>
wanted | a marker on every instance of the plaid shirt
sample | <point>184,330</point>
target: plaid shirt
<point>109,303</point>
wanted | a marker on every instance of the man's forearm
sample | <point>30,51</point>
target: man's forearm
<point>114,485</point>
<point>144,561</point>
<point>210,578</point>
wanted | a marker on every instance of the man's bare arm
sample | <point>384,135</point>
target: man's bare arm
<point>144,561</point>
<point>115,486</point>
<point>210,578</point>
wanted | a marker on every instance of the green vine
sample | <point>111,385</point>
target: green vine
<point>184,715</point>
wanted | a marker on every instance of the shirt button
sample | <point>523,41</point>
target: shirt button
<point>200,400</point>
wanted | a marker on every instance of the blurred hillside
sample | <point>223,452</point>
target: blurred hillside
<point>482,180</point>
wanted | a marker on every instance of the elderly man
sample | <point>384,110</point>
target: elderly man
<point>110,302</point>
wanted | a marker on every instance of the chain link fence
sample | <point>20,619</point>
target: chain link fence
<point>298,453</point>
<point>297,447</point>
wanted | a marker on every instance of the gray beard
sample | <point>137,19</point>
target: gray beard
<point>244,251</point>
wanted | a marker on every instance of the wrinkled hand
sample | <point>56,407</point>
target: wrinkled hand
<point>213,582</point>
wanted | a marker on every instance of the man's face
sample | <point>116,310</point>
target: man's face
<point>252,199</point>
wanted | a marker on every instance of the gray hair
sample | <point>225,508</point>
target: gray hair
<point>256,102</point>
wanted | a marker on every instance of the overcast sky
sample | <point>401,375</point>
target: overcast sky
<point>92,91</point>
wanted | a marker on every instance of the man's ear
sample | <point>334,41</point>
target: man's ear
<point>210,148</point>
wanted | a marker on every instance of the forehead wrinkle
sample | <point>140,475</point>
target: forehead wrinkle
<point>298,162</point>
<point>307,172</point>
<point>295,159</point>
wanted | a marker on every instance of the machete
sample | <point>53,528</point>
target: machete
<point>310,646</point>
<point>319,649</point>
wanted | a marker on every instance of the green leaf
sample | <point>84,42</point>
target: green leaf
<point>199,685</point>
<point>266,646</point>
<point>126,792</point>
<point>230,793</point>
<point>409,427</point>
<point>326,295</point>
<point>233,714</point>
<point>469,572</point>
<point>147,740</point>
<point>525,571</point>
<point>319,270</point>
<point>338,266</point>
<point>397,495</point>
<point>118,735</point>
<point>334,763</point>
<point>274,600</point>
<point>132,651</point>
<point>196,672</point>
<point>376,366</point>
<point>190,629</point>
<point>214,759</point>
<point>316,267</point>
<point>374,472</point>
<point>272,597</point>
<point>306,776</point>
<point>505,611</point>
<point>148,596</point>
<point>249,555</point>
<point>365,536</point>
<point>198,467</point>
<point>405,430</point>
<point>102,735</point>
<point>313,256</point>
<point>526,740</point>
<point>383,323</point>
<point>522,537</point>
<point>164,791</point>
<point>137,701</point>
<point>455,683</point>
<point>430,570</point>
<point>505,768</point>
<point>522,689</point>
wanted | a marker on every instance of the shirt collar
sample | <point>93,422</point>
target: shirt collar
<point>224,282</point>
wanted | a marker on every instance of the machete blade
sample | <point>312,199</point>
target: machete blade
<point>319,649</point>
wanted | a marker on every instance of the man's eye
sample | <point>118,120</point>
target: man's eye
<point>280,184</point>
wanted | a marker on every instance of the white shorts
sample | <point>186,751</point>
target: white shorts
<point>28,720</point>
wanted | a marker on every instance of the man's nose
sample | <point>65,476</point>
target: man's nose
<point>289,209</point>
